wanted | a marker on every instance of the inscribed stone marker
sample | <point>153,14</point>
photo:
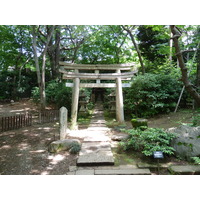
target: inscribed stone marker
<point>63,123</point>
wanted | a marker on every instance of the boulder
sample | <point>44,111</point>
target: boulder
<point>120,136</point>
<point>187,142</point>
<point>62,145</point>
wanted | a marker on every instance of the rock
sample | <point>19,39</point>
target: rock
<point>120,137</point>
<point>187,143</point>
<point>62,145</point>
<point>139,122</point>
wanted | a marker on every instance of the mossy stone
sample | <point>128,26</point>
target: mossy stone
<point>136,123</point>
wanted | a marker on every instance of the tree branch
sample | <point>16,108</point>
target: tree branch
<point>183,68</point>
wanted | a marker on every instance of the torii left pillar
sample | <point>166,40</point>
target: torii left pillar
<point>75,98</point>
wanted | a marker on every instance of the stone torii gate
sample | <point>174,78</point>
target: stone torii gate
<point>77,73</point>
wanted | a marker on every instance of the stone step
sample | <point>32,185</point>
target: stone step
<point>95,153</point>
<point>123,172</point>
<point>185,169</point>
<point>147,165</point>
<point>108,170</point>
<point>111,172</point>
<point>96,139</point>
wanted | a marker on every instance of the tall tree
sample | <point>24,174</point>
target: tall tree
<point>41,71</point>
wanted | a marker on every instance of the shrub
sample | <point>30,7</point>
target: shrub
<point>196,120</point>
<point>196,160</point>
<point>152,94</point>
<point>149,140</point>
<point>75,148</point>
<point>56,93</point>
<point>35,94</point>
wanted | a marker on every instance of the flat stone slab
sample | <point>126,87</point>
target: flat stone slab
<point>147,165</point>
<point>123,172</point>
<point>100,158</point>
<point>95,153</point>
<point>89,147</point>
<point>85,172</point>
<point>98,128</point>
<point>181,169</point>
<point>72,168</point>
<point>71,173</point>
<point>97,138</point>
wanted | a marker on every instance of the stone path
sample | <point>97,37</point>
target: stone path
<point>96,157</point>
<point>108,170</point>
<point>96,148</point>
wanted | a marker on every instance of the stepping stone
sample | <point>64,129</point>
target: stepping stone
<point>88,147</point>
<point>92,137</point>
<point>85,172</point>
<point>147,165</point>
<point>123,172</point>
<point>96,139</point>
<point>100,158</point>
<point>72,168</point>
<point>185,169</point>
<point>95,153</point>
<point>71,173</point>
<point>100,128</point>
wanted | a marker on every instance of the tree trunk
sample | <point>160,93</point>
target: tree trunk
<point>54,53</point>
<point>37,64</point>
<point>136,48</point>
<point>170,48</point>
<point>198,69</point>
<point>41,74</point>
<point>189,87</point>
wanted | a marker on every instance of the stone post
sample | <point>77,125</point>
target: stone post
<point>119,100</point>
<point>63,123</point>
<point>75,98</point>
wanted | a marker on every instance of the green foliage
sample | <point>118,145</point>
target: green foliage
<point>151,94</point>
<point>149,140</point>
<point>153,42</point>
<point>90,105</point>
<point>196,160</point>
<point>196,120</point>
<point>56,93</point>
<point>36,94</point>
<point>75,148</point>
<point>139,123</point>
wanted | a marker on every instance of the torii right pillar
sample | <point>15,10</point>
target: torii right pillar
<point>119,100</point>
